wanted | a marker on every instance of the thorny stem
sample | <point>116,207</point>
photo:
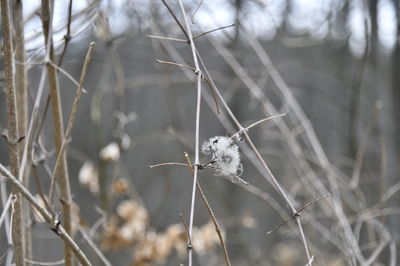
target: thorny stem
<point>12,116</point>
<point>59,229</point>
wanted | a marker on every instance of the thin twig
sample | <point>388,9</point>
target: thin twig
<point>48,61</point>
<point>39,189</point>
<point>195,11</point>
<point>71,120</point>
<point>256,123</point>
<point>194,71</point>
<point>210,31</point>
<point>296,214</point>
<point>59,230</point>
<point>166,38</point>
<point>176,64</point>
<point>176,20</point>
<point>5,208</point>
<point>65,73</point>
<point>197,133</point>
<point>165,164</point>
<point>44,263</point>
<point>93,246</point>
<point>189,244</point>
<point>210,211</point>
<point>7,223</point>
<point>362,148</point>
<point>309,263</point>
<point>67,37</point>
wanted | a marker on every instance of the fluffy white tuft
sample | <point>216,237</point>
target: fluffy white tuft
<point>225,154</point>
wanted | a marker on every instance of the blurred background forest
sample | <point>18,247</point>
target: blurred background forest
<point>332,65</point>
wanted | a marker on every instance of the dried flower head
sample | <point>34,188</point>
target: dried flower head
<point>128,227</point>
<point>224,154</point>
<point>130,210</point>
<point>89,177</point>
<point>110,152</point>
<point>120,186</point>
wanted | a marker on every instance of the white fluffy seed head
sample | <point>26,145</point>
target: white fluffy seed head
<point>225,153</point>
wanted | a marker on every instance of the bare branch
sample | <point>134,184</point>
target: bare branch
<point>5,208</point>
<point>210,31</point>
<point>59,230</point>
<point>67,37</point>
<point>71,120</point>
<point>210,211</point>
<point>197,133</point>
<point>297,213</point>
<point>166,38</point>
<point>165,164</point>
<point>176,64</point>
<point>257,123</point>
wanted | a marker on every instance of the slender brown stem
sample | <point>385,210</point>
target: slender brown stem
<point>166,38</point>
<point>58,125</point>
<point>164,164</point>
<point>59,229</point>
<point>189,244</point>
<point>71,121</point>
<point>22,106</point>
<point>297,213</point>
<point>257,123</point>
<point>195,11</point>
<point>6,207</point>
<point>176,64</point>
<point>210,211</point>
<point>12,117</point>
<point>194,71</point>
<point>39,189</point>
<point>93,246</point>
<point>67,36</point>
<point>210,31</point>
